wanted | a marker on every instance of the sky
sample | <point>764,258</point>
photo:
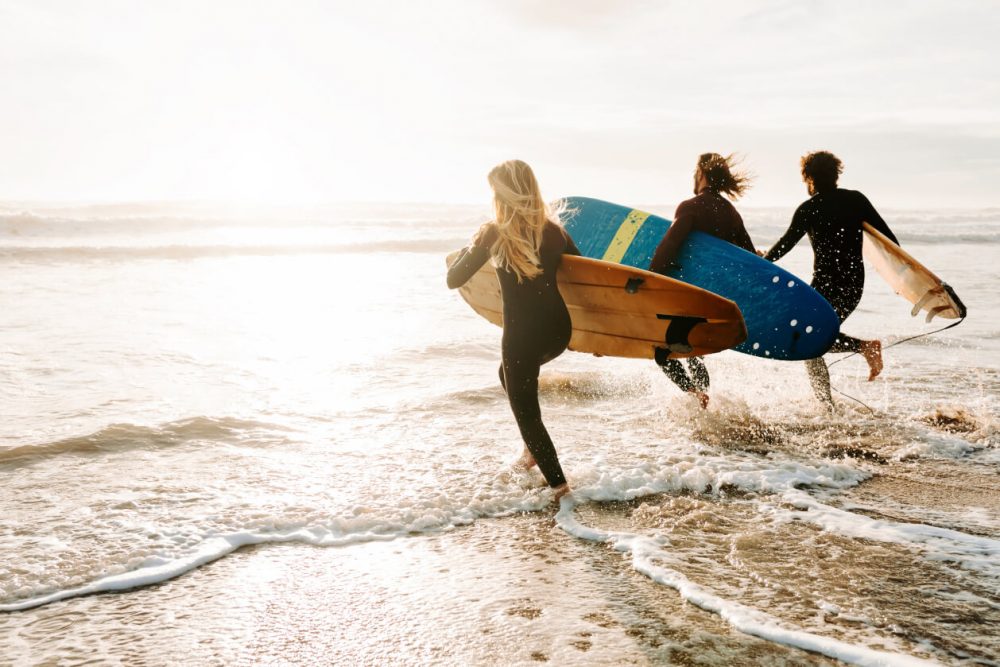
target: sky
<point>301,101</point>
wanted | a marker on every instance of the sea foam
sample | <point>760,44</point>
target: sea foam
<point>646,551</point>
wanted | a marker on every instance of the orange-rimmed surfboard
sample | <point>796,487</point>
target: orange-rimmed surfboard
<point>911,279</point>
<point>621,311</point>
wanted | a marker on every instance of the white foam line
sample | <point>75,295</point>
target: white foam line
<point>745,619</point>
<point>422,520</point>
<point>973,552</point>
<point>699,474</point>
<point>211,549</point>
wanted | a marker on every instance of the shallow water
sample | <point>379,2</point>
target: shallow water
<point>178,385</point>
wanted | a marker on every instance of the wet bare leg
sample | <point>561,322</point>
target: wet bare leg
<point>560,491</point>
<point>819,378</point>
<point>872,350</point>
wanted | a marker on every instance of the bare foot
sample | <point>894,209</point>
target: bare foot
<point>560,491</point>
<point>872,349</point>
<point>701,396</point>
<point>525,462</point>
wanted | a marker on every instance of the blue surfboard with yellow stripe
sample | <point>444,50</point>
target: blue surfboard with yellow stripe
<point>785,317</point>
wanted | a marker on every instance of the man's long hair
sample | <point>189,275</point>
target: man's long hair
<point>721,177</point>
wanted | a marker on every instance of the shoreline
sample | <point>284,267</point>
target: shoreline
<point>503,591</point>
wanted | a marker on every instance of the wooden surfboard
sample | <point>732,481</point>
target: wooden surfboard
<point>911,279</point>
<point>620,311</point>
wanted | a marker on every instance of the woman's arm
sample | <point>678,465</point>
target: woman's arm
<point>471,258</point>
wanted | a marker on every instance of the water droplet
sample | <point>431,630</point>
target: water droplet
<point>793,322</point>
<point>809,329</point>
<point>791,283</point>
<point>775,279</point>
<point>756,346</point>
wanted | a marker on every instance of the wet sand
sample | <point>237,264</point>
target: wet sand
<point>506,591</point>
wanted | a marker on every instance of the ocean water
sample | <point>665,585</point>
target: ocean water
<point>235,436</point>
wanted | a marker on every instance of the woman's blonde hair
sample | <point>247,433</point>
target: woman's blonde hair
<point>521,214</point>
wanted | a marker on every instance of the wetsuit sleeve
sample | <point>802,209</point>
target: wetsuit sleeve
<point>743,239</point>
<point>471,258</point>
<point>871,216</point>
<point>670,246</point>
<point>792,235</point>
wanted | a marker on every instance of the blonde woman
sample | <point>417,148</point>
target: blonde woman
<point>526,244</point>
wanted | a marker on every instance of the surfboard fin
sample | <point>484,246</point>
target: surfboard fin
<point>953,303</point>
<point>933,312</point>
<point>930,294</point>
<point>676,335</point>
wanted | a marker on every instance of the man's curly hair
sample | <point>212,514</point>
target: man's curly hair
<point>822,169</point>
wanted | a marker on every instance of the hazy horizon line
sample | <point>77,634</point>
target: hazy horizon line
<point>8,205</point>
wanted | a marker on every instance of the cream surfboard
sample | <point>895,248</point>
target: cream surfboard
<point>911,279</point>
<point>620,311</point>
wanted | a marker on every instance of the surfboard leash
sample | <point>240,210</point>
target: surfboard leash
<point>898,342</point>
<point>902,340</point>
<point>921,335</point>
<point>856,400</point>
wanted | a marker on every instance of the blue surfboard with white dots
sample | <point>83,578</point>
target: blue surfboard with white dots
<point>785,317</point>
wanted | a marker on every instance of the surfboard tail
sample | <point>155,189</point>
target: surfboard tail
<point>911,279</point>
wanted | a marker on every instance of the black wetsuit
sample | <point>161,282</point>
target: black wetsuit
<point>536,329</point>
<point>711,213</point>
<point>833,220</point>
